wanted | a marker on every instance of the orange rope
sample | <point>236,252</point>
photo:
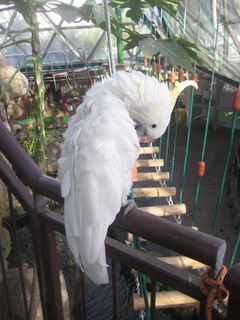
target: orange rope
<point>216,290</point>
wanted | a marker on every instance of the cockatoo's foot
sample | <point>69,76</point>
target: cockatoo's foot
<point>129,205</point>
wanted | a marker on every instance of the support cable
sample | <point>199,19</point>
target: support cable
<point>141,278</point>
<point>201,163</point>
<point>187,145</point>
<point>109,38</point>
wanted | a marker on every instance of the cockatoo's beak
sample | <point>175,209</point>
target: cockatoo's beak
<point>174,93</point>
<point>140,129</point>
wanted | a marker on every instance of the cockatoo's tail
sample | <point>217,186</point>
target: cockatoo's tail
<point>98,154</point>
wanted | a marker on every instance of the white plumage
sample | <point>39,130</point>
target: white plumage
<point>100,147</point>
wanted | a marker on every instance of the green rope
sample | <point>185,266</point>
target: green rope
<point>187,145</point>
<point>141,277</point>
<point>160,147</point>
<point>202,157</point>
<point>142,280</point>
<point>235,114</point>
<point>167,147</point>
<point>174,143</point>
<point>235,250</point>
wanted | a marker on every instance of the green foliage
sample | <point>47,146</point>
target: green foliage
<point>5,249</point>
<point>179,51</point>
<point>135,7</point>
<point>30,145</point>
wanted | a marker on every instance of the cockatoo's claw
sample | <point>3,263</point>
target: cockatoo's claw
<point>129,205</point>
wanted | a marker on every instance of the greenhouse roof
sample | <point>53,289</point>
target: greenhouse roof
<point>212,25</point>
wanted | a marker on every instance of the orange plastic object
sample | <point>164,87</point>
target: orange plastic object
<point>154,65</point>
<point>172,77</point>
<point>181,75</point>
<point>159,68</point>
<point>134,170</point>
<point>201,169</point>
<point>236,99</point>
<point>145,63</point>
<point>194,77</point>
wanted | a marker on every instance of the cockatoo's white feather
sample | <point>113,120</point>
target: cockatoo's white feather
<point>99,151</point>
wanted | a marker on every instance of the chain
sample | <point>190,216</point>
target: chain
<point>214,290</point>
<point>169,200</point>
<point>142,313</point>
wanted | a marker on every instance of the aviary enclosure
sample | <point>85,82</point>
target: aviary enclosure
<point>189,178</point>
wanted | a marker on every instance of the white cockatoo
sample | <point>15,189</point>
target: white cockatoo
<point>99,151</point>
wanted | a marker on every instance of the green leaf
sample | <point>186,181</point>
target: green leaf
<point>177,55</point>
<point>184,42</point>
<point>170,6</point>
<point>149,46</point>
<point>67,12</point>
<point>135,14</point>
<point>23,8</point>
<point>86,14</point>
<point>135,8</point>
<point>167,47</point>
<point>98,12</point>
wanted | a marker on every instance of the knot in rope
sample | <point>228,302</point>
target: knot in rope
<point>214,289</point>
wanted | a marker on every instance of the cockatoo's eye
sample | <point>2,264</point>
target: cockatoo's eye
<point>154,125</point>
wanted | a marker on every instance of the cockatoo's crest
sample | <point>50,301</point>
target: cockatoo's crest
<point>148,101</point>
<point>98,154</point>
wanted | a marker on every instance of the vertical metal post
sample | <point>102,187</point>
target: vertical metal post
<point>153,299</point>
<point>17,248</point>
<point>50,265</point>
<point>84,296</point>
<point>5,283</point>
<point>232,283</point>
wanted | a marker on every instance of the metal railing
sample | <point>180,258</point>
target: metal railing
<point>207,249</point>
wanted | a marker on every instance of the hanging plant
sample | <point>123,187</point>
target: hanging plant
<point>180,52</point>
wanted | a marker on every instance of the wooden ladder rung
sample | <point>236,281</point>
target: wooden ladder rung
<point>154,192</point>
<point>166,299</point>
<point>183,262</point>
<point>152,176</point>
<point>150,163</point>
<point>166,210</point>
<point>149,150</point>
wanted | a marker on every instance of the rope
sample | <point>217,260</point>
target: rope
<point>235,114</point>
<point>187,145</point>
<point>202,156</point>
<point>235,250</point>
<point>174,143</point>
<point>207,119</point>
<point>141,279</point>
<point>216,290</point>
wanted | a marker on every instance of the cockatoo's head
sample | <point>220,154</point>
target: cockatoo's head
<point>149,102</point>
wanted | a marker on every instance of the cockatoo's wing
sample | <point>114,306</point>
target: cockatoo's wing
<point>99,151</point>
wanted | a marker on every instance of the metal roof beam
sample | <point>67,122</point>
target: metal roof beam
<point>64,37</point>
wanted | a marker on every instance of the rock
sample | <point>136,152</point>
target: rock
<point>5,241</point>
